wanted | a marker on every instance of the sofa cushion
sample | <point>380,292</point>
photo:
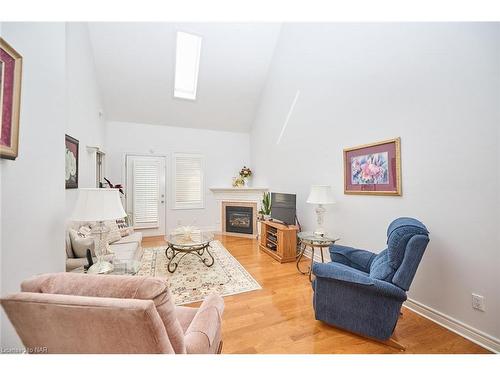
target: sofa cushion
<point>114,232</point>
<point>122,226</point>
<point>80,244</point>
<point>125,251</point>
<point>134,237</point>
<point>381,268</point>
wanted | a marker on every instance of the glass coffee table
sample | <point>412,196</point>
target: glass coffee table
<point>195,243</point>
<point>121,267</point>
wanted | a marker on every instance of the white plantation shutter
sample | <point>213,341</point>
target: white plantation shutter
<point>146,193</point>
<point>188,184</point>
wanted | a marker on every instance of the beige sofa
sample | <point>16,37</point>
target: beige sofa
<point>78,313</point>
<point>127,248</point>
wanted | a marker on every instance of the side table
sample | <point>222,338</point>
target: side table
<point>309,239</point>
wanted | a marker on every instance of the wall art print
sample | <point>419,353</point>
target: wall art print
<point>71,157</point>
<point>10,99</point>
<point>373,169</point>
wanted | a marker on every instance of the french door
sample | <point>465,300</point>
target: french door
<point>146,193</point>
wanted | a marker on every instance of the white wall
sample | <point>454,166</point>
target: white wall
<point>225,154</point>
<point>83,106</point>
<point>434,85</point>
<point>32,186</point>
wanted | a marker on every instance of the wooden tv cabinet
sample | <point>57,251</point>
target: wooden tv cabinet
<point>279,240</point>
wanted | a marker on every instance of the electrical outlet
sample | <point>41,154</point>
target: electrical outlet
<point>478,302</point>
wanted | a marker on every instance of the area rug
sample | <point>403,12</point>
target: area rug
<point>193,281</point>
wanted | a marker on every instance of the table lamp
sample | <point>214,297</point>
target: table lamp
<point>99,205</point>
<point>320,195</point>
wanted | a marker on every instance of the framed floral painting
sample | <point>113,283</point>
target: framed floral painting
<point>10,99</point>
<point>71,162</point>
<point>373,169</point>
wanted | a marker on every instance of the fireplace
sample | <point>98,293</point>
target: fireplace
<point>241,197</point>
<point>239,219</point>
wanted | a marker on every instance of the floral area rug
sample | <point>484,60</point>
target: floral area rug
<point>192,281</point>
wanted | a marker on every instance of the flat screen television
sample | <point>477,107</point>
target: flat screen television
<point>283,207</point>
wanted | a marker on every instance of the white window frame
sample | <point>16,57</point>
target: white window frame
<point>187,206</point>
<point>183,94</point>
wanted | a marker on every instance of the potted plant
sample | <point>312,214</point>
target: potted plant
<point>265,210</point>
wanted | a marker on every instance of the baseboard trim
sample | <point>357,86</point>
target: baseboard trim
<point>472,334</point>
<point>233,234</point>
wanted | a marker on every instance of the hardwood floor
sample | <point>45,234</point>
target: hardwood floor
<point>279,318</point>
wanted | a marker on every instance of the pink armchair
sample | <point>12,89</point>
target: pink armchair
<point>78,313</point>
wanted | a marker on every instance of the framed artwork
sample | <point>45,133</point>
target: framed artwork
<point>71,162</point>
<point>373,169</point>
<point>10,99</point>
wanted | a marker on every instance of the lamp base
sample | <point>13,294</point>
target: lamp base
<point>101,267</point>
<point>320,212</point>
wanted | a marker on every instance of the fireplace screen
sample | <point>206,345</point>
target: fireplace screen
<point>239,219</point>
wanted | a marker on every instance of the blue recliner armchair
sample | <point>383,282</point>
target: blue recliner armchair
<point>362,292</point>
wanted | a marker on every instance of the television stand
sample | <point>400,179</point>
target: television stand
<point>274,221</point>
<point>279,240</point>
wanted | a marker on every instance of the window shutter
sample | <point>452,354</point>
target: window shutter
<point>146,194</point>
<point>188,185</point>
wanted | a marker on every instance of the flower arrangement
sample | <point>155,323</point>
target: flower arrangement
<point>245,172</point>
<point>185,231</point>
<point>238,182</point>
<point>242,179</point>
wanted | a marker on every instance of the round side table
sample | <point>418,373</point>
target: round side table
<point>309,239</point>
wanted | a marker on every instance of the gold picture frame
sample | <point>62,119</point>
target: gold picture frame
<point>10,93</point>
<point>389,152</point>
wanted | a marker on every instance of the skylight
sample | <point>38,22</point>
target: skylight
<point>187,64</point>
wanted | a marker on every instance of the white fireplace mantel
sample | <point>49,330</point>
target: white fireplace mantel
<point>251,194</point>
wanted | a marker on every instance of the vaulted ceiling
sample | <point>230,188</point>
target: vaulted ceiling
<point>135,65</point>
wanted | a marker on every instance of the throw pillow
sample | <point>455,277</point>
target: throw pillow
<point>85,231</point>
<point>80,244</point>
<point>114,231</point>
<point>122,226</point>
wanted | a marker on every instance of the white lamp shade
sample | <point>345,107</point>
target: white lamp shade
<point>321,194</point>
<point>98,205</point>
